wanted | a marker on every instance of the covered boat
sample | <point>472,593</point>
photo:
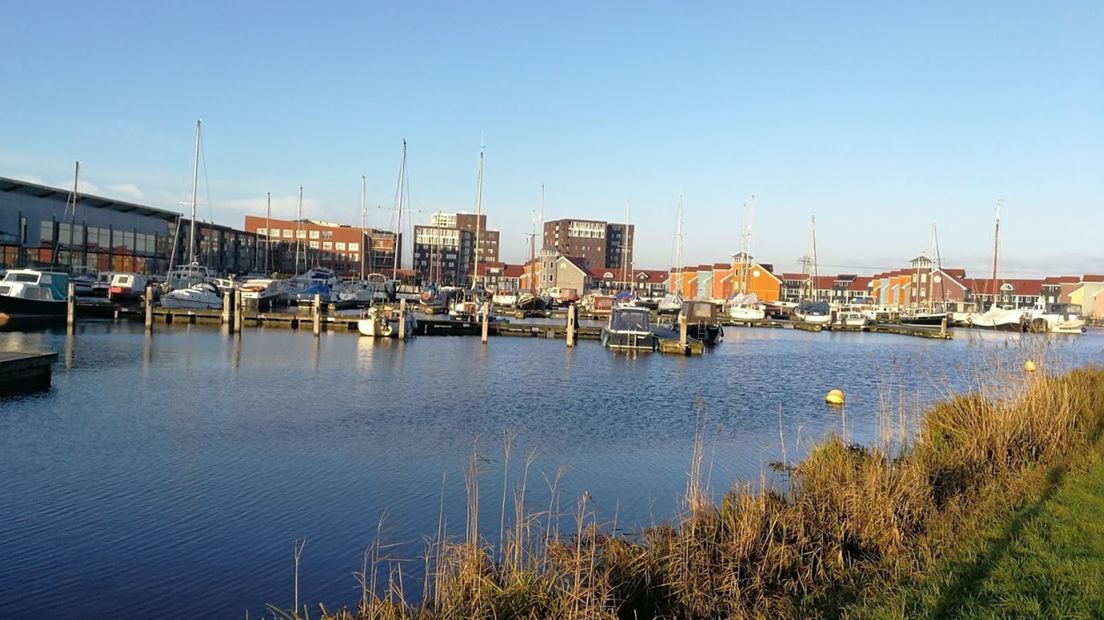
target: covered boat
<point>33,293</point>
<point>1000,319</point>
<point>629,328</point>
<point>701,321</point>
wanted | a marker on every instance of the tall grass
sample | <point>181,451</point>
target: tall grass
<point>847,521</point>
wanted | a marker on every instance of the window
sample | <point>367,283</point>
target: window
<point>262,231</point>
<point>340,245</point>
<point>314,245</point>
<point>314,234</point>
<point>327,234</point>
<point>46,231</point>
<point>354,247</point>
<point>301,234</point>
<point>327,245</point>
<point>288,233</point>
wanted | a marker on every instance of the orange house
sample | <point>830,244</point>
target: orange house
<point>766,286</point>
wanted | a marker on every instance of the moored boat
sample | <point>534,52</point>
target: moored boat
<point>813,312</point>
<point>701,321</point>
<point>127,287</point>
<point>1000,319</point>
<point>34,294</point>
<point>630,329</point>
<point>202,296</point>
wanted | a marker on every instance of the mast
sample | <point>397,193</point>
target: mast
<point>268,233</point>
<point>815,274</point>
<point>363,214</point>
<point>676,288</point>
<point>939,266</point>
<point>298,229</point>
<point>625,248</point>
<point>533,247</point>
<point>195,184</point>
<point>931,274</point>
<point>748,211</point>
<point>72,200</point>
<point>478,211</point>
<point>996,250</point>
<point>398,227</point>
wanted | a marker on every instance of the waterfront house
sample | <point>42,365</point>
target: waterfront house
<point>1089,296</point>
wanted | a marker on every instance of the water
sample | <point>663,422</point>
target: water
<point>169,476</point>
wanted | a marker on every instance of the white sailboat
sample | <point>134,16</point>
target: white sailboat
<point>672,302</point>
<point>191,284</point>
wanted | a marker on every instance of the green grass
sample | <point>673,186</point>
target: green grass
<point>1043,559</point>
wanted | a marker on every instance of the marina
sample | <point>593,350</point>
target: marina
<point>196,456</point>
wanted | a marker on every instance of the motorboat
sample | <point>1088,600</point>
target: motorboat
<point>629,328</point>
<point>127,287</point>
<point>263,294</point>
<point>532,302</point>
<point>202,296</point>
<point>188,275</point>
<point>701,321</point>
<point>383,322</point>
<point>919,317</point>
<point>563,296</point>
<point>505,298</point>
<point>1056,319</point>
<point>852,319</point>
<point>34,293</point>
<point>599,305</point>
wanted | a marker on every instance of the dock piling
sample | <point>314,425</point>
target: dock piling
<point>402,319</point>
<point>486,311</point>
<point>149,307</point>
<point>71,306</point>
<point>226,301</point>
<point>571,325</point>
<point>943,327</point>
<point>682,330</point>
<point>317,307</point>
<point>237,312</point>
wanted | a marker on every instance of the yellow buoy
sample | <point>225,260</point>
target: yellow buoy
<point>834,397</point>
<point>1029,366</point>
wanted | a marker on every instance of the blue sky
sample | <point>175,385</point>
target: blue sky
<point>879,118</point>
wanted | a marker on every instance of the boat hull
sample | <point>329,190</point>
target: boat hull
<point>708,334</point>
<point>628,341</point>
<point>17,307</point>
<point>177,303</point>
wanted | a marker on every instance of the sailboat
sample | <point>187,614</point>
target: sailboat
<point>997,318</point>
<point>672,302</point>
<point>191,285</point>
<point>745,306</point>
<point>812,310</point>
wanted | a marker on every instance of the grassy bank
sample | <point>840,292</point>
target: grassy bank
<point>1043,557</point>
<point>853,524</point>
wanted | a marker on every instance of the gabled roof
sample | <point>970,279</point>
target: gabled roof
<point>650,275</point>
<point>860,283</point>
<point>984,286</point>
<point>1092,278</point>
<point>513,271</point>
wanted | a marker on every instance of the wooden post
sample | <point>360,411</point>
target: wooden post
<point>682,330</point>
<point>943,327</point>
<point>317,315</point>
<point>237,311</point>
<point>149,307</point>
<point>402,319</point>
<point>486,311</point>
<point>226,301</point>
<point>571,325</point>
<point>71,305</point>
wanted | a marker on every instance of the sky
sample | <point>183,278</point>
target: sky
<point>879,119</point>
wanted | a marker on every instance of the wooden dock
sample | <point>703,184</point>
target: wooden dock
<point>25,372</point>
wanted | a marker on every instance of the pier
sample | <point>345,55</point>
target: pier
<point>25,372</point>
<point>445,325</point>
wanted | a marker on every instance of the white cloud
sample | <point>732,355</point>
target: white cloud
<point>285,207</point>
<point>129,190</point>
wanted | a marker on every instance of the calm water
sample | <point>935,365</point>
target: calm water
<point>169,476</point>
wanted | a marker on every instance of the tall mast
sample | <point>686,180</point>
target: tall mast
<point>678,250</point>
<point>72,200</point>
<point>363,214</point>
<point>398,228</point>
<point>298,230</point>
<point>533,247</point>
<point>625,247</point>
<point>478,211</point>
<point>195,185</point>
<point>996,250</point>
<point>268,232</point>
<point>939,267</point>
<point>931,273</point>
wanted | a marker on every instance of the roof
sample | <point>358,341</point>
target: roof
<point>1092,278</point>
<point>1061,280</point>
<point>481,268</point>
<point>15,186</point>
<point>860,283</point>
<point>513,271</point>
<point>651,275</point>
<point>984,286</point>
